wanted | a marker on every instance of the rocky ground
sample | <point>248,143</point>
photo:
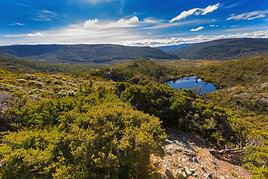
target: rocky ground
<point>185,156</point>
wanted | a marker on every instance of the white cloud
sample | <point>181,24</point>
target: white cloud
<point>127,31</point>
<point>132,21</point>
<point>151,21</point>
<point>210,9</point>
<point>162,25</point>
<point>45,15</point>
<point>248,15</point>
<point>18,24</point>
<point>121,23</point>
<point>197,29</point>
<point>38,34</point>
<point>194,39</point>
<point>90,31</point>
<point>196,12</point>
<point>231,5</point>
<point>213,25</point>
<point>75,36</point>
<point>89,23</point>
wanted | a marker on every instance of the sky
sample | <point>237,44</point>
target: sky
<point>130,22</point>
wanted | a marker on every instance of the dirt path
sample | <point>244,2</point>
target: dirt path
<point>186,157</point>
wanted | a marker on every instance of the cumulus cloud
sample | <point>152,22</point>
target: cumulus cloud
<point>196,12</point>
<point>248,15</point>
<point>132,21</point>
<point>121,23</point>
<point>197,29</point>
<point>90,23</point>
<point>90,31</point>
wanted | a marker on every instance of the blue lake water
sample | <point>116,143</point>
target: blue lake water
<point>194,83</point>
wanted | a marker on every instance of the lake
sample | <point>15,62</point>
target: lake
<point>194,83</point>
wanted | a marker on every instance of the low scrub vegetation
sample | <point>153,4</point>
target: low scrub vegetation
<point>72,122</point>
<point>243,91</point>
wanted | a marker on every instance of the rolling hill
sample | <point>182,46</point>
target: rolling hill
<point>221,49</point>
<point>83,53</point>
<point>105,53</point>
<point>172,48</point>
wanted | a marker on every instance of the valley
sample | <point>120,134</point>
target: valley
<point>134,89</point>
<point>55,117</point>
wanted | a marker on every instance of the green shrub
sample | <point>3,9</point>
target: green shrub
<point>181,109</point>
<point>109,141</point>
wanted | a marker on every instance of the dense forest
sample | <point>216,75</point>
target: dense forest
<point>84,121</point>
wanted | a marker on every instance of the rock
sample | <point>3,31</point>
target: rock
<point>264,85</point>
<point>195,174</point>
<point>169,174</point>
<point>180,174</point>
<point>192,170</point>
<point>194,160</point>
<point>212,176</point>
<point>190,153</point>
<point>183,159</point>
<point>187,171</point>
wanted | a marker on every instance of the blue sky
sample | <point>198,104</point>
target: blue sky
<point>130,22</point>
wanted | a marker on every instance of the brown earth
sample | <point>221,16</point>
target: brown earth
<point>185,156</point>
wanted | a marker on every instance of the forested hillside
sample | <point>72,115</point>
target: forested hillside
<point>103,53</point>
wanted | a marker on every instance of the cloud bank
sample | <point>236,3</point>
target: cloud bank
<point>128,31</point>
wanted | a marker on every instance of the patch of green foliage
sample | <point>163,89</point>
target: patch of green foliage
<point>99,143</point>
<point>73,123</point>
<point>84,132</point>
<point>243,90</point>
<point>134,70</point>
<point>31,66</point>
<point>182,109</point>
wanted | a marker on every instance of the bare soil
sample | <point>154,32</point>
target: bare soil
<point>186,156</point>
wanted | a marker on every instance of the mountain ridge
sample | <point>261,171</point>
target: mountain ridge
<point>223,49</point>
<point>82,53</point>
<point>220,49</point>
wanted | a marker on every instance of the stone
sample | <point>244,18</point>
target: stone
<point>169,174</point>
<point>187,171</point>
<point>180,174</point>
<point>212,176</point>
<point>194,160</point>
